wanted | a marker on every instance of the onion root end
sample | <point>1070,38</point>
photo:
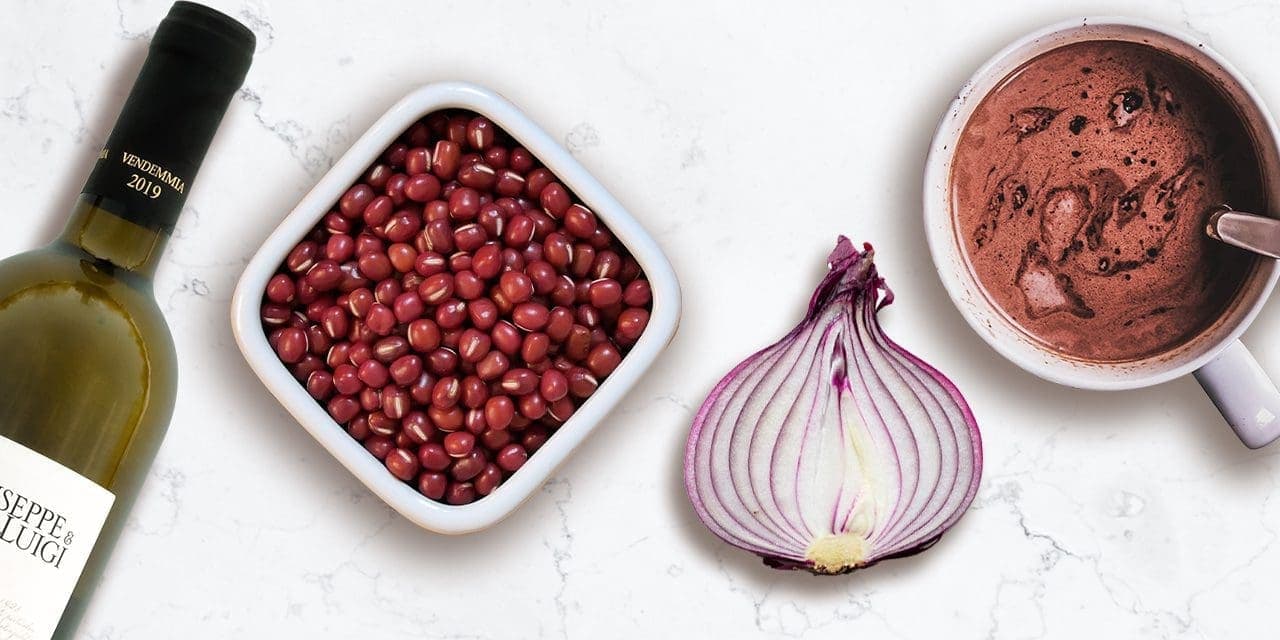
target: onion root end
<point>835,554</point>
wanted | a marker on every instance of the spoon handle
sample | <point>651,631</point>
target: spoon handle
<point>1248,231</point>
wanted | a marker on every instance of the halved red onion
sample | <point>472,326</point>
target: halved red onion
<point>834,448</point>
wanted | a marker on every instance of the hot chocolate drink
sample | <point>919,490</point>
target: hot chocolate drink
<point>1080,189</point>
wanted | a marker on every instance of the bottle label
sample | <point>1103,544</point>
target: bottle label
<point>50,517</point>
<point>141,189</point>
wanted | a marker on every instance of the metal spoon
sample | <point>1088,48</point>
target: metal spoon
<point>1249,231</point>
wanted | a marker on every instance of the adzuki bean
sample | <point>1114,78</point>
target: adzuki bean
<point>454,307</point>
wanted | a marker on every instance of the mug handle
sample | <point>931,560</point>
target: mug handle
<point>1244,394</point>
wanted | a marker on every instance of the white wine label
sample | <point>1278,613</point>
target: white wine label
<point>50,516</point>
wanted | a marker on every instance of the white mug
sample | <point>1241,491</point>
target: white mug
<point>1243,393</point>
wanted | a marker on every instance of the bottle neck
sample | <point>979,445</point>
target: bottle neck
<point>108,237</point>
<point>196,62</point>
<point>131,201</point>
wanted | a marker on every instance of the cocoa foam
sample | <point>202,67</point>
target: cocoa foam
<point>1080,187</point>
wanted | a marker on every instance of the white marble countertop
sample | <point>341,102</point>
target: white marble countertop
<point>745,138</point>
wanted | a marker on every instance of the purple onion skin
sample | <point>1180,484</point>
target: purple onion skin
<point>834,284</point>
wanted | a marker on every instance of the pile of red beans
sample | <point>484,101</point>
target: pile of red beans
<point>455,307</point>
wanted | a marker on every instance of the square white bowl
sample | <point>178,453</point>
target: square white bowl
<point>488,510</point>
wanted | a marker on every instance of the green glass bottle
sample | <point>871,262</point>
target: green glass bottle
<point>88,373</point>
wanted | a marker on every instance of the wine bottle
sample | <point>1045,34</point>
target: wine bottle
<point>87,364</point>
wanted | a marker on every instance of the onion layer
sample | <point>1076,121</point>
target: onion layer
<point>834,448</point>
